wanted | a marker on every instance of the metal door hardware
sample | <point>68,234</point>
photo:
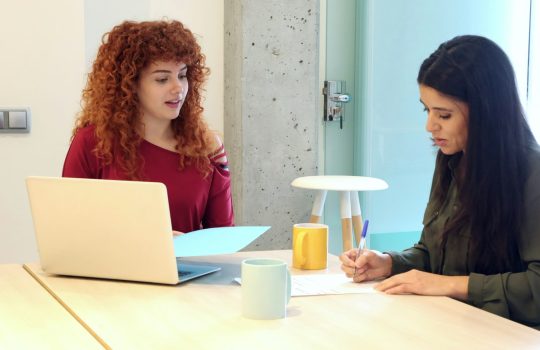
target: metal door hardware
<point>334,100</point>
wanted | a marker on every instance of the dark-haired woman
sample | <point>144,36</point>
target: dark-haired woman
<point>481,237</point>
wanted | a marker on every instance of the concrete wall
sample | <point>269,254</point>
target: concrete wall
<point>272,116</point>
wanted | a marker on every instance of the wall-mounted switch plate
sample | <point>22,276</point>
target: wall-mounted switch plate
<point>14,120</point>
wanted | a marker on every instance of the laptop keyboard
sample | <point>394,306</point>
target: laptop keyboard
<point>184,273</point>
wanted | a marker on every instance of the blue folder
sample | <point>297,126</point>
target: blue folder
<point>217,240</point>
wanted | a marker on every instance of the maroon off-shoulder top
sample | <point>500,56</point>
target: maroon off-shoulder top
<point>195,201</point>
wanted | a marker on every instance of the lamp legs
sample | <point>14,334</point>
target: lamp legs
<point>318,206</point>
<point>351,215</point>
<point>356,212</point>
<point>346,222</point>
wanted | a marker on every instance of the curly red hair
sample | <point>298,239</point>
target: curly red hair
<point>111,104</point>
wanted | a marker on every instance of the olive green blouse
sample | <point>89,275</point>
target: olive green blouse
<point>512,295</point>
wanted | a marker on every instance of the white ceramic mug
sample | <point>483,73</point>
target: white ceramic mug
<point>266,288</point>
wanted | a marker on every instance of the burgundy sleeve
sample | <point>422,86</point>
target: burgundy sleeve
<point>219,209</point>
<point>80,160</point>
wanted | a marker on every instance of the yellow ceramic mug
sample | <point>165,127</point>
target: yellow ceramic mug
<point>310,246</point>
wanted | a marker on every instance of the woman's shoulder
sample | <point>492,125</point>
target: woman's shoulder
<point>216,140</point>
<point>86,132</point>
<point>534,150</point>
<point>533,177</point>
<point>85,136</point>
<point>218,156</point>
<point>217,147</point>
<point>533,157</point>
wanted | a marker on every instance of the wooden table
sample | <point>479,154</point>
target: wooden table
<point>30,318</point>
<point>206,314</point>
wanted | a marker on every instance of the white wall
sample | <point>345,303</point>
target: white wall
<point>46,49</point>
<point>41,67</point>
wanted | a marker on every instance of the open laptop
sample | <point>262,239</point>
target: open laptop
<point>106,229</point>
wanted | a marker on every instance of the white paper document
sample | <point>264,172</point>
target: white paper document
<point>327,284</point>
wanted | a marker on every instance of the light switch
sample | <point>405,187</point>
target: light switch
<point>17,119</point>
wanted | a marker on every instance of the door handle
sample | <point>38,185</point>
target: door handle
<point>335,98</point>
<point>341,98</point>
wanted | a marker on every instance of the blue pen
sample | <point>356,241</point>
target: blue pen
<point>362,243</point>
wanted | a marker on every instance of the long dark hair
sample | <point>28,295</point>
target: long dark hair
<point>476,71</point>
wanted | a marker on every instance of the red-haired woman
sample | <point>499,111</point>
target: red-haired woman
<point>141,119</point>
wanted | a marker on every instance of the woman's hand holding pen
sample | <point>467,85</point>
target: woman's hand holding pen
<point>370,265</point>
<point>365,265</point>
